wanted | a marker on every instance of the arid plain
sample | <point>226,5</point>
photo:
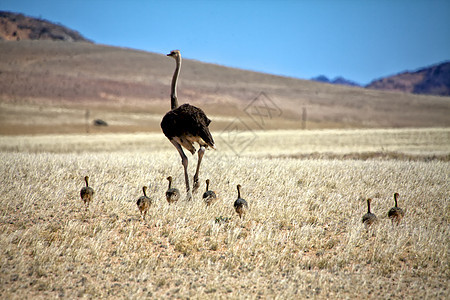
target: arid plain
<point>307,155</point>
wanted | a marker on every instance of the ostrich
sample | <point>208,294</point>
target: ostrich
<point>184,125</point>
<point>209,196</point>
<point>172,194</point>
<point>240,205</point>
<point>87,193</point>
<point>369,218</point>
<point>396,213</point>
<point>144,202</point>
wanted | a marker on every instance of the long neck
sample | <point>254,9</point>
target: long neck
<point>86,179</point>
<point>207,185</point>
<point>173,94</point>
<point>239,191</point>
<point>395,199</point>
<point>144,190</point>
<point>170,183</point>
<point>368,206</point>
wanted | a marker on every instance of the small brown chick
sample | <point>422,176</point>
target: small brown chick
<point>396,213</point>
<point>144,203</point>
<point>369,218</point>
<point>209,196</point>
<point>172,194</point>
<point>87,193</point>
<point>240,205</point>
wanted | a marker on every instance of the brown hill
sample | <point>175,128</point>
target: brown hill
<point>15,27</point>
<point>48,86</point>
<point>434,80</point>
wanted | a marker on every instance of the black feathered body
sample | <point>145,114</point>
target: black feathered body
<point>396,214</point>
<point>209,197</point>
<point>186,125</point>
<point>240,205</point>
<point>172,195</point>
<point>87,194</point>
<point>143,203</point>
<point>369,218</point>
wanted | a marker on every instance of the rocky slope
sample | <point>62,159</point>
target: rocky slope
<point>434,80</point>
<point>15,27</point>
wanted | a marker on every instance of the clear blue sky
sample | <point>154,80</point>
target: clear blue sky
<point>360,40</point>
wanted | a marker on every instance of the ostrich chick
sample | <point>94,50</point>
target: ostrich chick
<point>240,205</point>
<point>172,194</point>
<point>369,218</point>
<point>396,213</point>
<point>143,203</point>
<point>87,193</point>
<point>209,196</point>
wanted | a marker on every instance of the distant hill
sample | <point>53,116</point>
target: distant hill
<point>47,81</point>
<point>15,27</point>
<point>434,80</point>
<point>337,80</point>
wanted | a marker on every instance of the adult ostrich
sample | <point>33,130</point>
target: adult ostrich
<point>184,125</point>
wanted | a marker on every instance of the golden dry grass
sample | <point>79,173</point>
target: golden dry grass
<point>302,236</point>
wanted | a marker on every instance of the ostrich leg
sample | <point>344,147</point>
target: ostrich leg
<point>201,151</point>
<point>184,161</point>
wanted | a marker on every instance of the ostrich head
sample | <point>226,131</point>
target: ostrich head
<point>175,54</point>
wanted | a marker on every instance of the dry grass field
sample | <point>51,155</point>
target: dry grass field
<point>306,189</point>
<point>302,237</point>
